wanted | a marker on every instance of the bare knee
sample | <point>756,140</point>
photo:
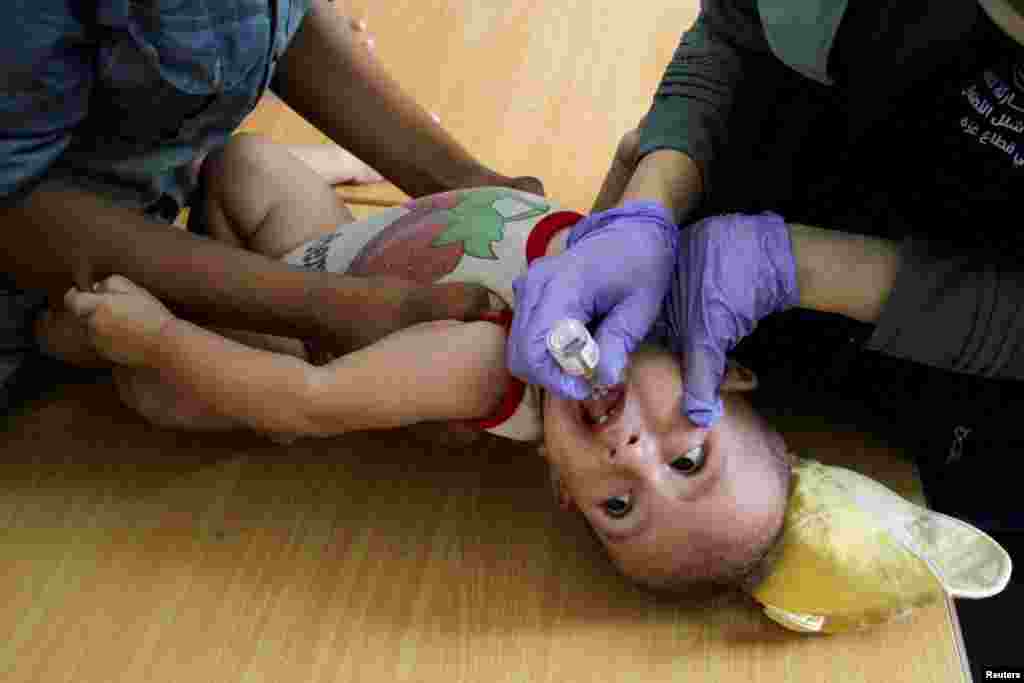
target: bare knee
<point>233,205</point>
<point>261,197</point>
<point>241,149</point>
<point>244,155</point>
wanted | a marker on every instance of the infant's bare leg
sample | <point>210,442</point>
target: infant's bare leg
<point>164,405</point>
<point>335,164</point>
<point>261,197</point>
<point>61,334</point>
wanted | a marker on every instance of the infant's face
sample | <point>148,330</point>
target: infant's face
<point>664,496</point>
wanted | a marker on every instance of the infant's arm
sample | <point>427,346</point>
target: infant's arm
<point>445,370</point>
<point>433,371</point>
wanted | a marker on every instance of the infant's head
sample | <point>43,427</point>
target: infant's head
<point>675,506</point>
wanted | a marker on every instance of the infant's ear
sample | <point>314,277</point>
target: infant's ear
<point>738,377</point>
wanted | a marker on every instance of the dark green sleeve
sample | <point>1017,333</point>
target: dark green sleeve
<point>694,99</point>
<point>959,310</point>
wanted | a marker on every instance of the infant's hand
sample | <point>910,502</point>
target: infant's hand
<point>124,320</point>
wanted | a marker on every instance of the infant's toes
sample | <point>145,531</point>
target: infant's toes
<point>81,304</point>
<point>359,28</point>
<point>111,283</point>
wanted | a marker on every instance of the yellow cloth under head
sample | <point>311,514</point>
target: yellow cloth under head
<point>854,554</point>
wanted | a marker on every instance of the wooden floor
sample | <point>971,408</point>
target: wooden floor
<point>129,554</point>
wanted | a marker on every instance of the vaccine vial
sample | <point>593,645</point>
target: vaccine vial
<point>572,347</point>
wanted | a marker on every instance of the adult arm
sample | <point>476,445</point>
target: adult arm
<point>56,236</point>
<point>329,79</point>
<point>60,237</point>
<point>844,273</point>
<point>687,122</point>
<point>959,310</point>
<point>620,260</point>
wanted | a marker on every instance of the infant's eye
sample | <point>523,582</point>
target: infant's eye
<point>618,507</point>
<point>690,462</point>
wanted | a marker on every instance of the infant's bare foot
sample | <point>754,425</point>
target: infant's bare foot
<point>63,335</point>
<point>165,405</point>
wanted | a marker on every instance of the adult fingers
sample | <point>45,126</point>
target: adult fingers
<point>539,306</point>
<point>704,369</point>
<point>621,331</point>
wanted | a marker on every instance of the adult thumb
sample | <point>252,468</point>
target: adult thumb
<point>704,368</point>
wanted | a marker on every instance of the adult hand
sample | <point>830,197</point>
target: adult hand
<point>731,272</point>
<point>488,178</point>
<point>618,265</point>
<point>524,183</point>
<point>124,320</point>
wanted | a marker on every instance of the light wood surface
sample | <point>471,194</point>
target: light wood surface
<point>136,555</point>
<point>130,554</point>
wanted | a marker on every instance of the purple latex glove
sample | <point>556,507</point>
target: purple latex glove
<point>618,265</point>
<point>731,272</point>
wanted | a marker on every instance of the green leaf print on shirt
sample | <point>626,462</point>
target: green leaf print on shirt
<point>477,223</point>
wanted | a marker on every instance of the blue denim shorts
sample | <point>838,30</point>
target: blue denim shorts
<point>170,83</point>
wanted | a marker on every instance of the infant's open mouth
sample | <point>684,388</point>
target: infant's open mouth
<point>598,413</point>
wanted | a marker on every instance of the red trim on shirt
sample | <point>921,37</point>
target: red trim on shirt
<point>540,237</point>
<point>536,244</point>
<point>516,388</point>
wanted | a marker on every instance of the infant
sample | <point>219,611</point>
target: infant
<point>676,506</point>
